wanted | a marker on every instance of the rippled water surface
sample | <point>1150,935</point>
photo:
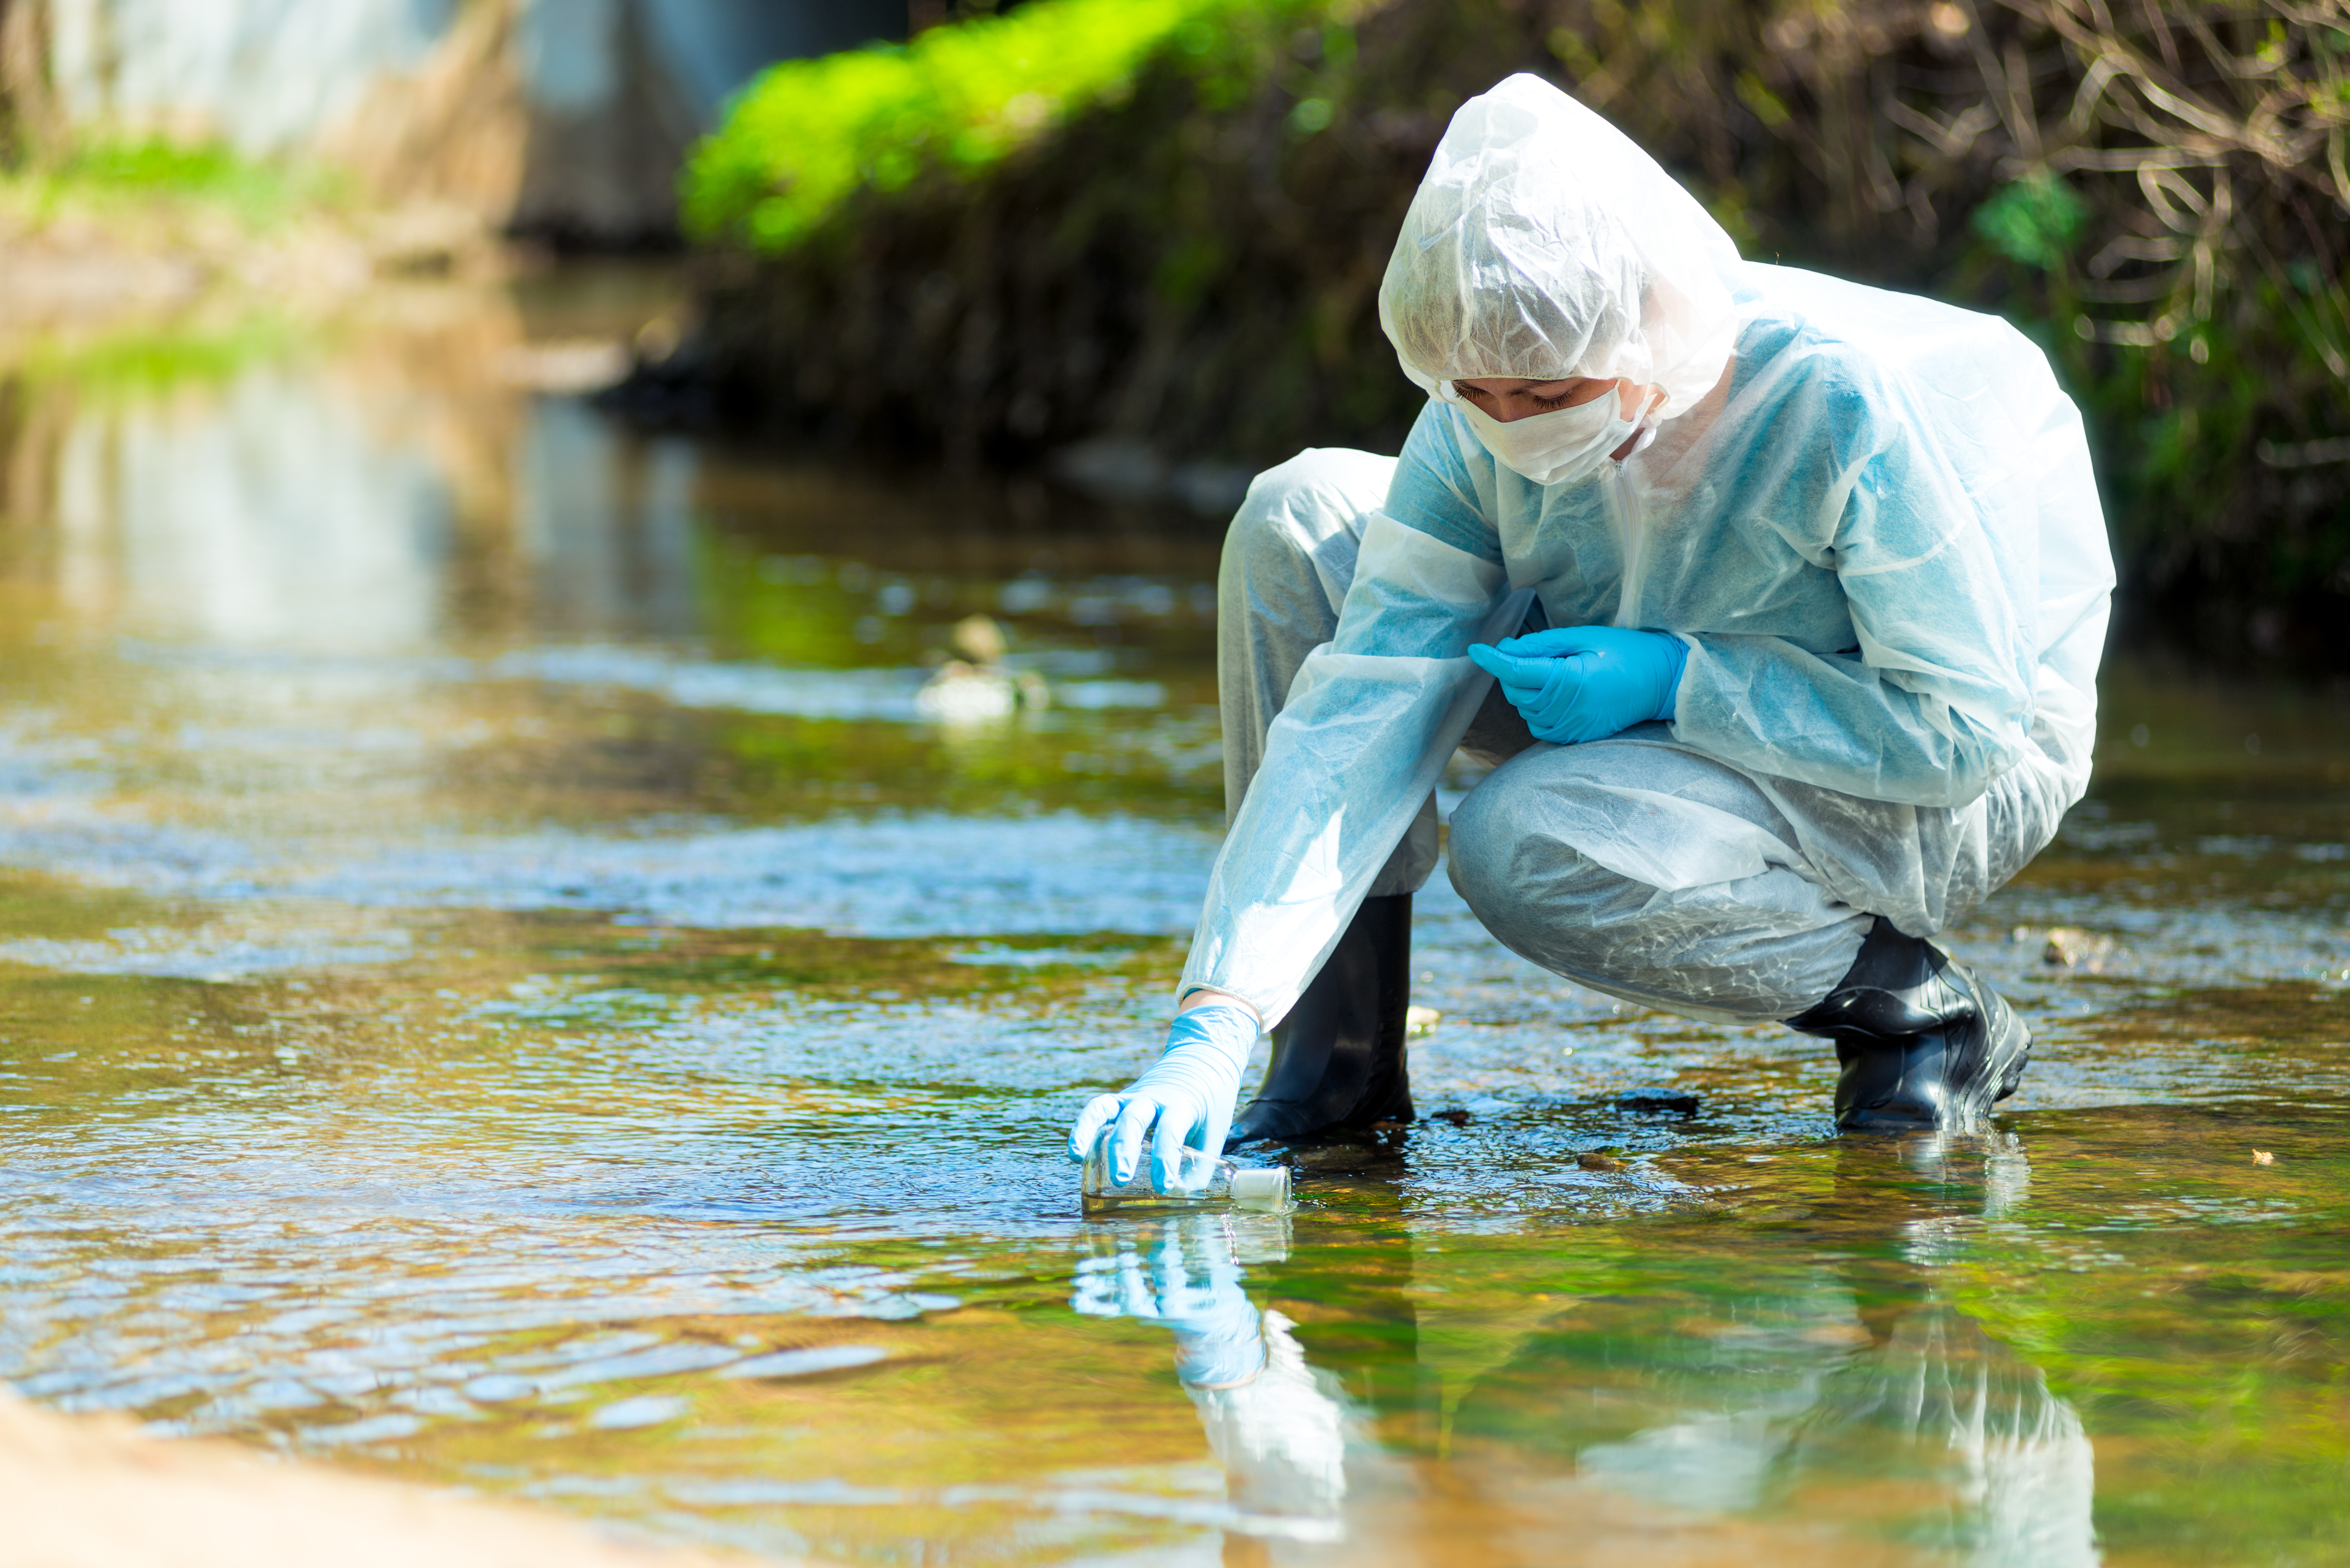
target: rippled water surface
<point>514,972</point>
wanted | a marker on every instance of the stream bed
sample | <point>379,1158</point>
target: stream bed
<point>518,972</point>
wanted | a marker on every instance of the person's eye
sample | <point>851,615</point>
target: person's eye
<point>1542,402</point>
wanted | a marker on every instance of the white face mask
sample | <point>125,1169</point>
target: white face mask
<point>1558,447</point>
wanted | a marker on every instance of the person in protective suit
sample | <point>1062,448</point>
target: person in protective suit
<point>1777,600</point>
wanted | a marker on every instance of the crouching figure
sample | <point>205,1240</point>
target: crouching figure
<point>1774,601</point>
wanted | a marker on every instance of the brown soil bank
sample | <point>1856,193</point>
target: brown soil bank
<point>91,1492</point>
<point>2155,190</point>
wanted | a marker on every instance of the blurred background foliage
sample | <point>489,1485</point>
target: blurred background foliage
<point>957,99</point>
<point>1164,223</point>
<point>144,171</point>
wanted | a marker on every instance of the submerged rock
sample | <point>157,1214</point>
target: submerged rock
<point>964,693</point>
<point>973,688</point>
<point>2069,946</point>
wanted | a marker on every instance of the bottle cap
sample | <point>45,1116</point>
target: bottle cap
<point>1264,1189</point>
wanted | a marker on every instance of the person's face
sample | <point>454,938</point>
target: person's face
<point>1507,397</point>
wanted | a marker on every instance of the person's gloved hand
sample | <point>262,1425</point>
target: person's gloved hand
<point>1581,684</point>
<point>1186,1095</point>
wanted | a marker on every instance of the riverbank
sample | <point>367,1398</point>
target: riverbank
<point>93,1492</point>
<point>1182,263</point>
<point>148,237</point>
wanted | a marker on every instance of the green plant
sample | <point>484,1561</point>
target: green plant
<point>807,134</point>
<point>2034,220</point>
<point>2156,193</point>
<point>141,359</point>
<point>153,171</point>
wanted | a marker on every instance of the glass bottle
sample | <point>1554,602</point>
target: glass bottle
<point>1201,1181</point>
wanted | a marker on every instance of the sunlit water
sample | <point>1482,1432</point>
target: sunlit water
<point>505,979</point>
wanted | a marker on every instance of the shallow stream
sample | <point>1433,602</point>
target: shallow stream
<point>507,980</point>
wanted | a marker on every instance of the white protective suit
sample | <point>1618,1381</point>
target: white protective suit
<point>1870,517</point>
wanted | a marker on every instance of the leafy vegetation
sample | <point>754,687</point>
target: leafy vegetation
<point>152,173</point>
<point>142,357</point>
<point>1188,255</point>
<point>808,133</point>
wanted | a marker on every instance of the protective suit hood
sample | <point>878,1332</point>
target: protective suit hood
<point>1544,245</point>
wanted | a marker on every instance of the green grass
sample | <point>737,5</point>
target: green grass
<point>153,175</point>
<point>201,203</point>
<point>142,357</point>
<point>807,134</point>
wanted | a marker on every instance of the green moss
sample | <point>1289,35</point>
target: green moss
<point>807,134</point>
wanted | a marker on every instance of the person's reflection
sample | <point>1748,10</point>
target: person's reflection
<point>1873,1377</point>
<point>2013,1453</point>
<point>1821,1370</point>
<point>1278,1432</point>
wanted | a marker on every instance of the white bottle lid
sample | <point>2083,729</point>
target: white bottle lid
<point>1264,1189</point>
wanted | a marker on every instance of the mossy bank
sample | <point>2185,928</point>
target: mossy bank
<point>1180,248</point>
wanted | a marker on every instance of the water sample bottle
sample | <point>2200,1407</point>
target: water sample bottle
<point>1201,1181</point>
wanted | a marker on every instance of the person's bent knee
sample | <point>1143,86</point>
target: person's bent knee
<point>1537,894</point>
<point>1297,504</point>
<point>1481,843</point>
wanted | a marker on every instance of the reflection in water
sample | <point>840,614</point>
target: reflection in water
<point>269,512</point>
<point>1921,1398</point>
<point>361,508</point>
<point>1862,1371</point>
<point>1853,1372</point>
<point>284,511</point>
<point>1276,1427</point>
<point>2014,1457</point>
<point>1868,1369</point>
<point>607,523</point>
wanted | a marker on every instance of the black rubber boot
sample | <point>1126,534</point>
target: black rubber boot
<point>1924,1045</point>
<point>1338,1056</point>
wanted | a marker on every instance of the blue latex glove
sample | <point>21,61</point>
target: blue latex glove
<point>1186,1095</point>
<point>1578,683</point>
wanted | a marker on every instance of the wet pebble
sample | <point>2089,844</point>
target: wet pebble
<point>2069,946</point>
